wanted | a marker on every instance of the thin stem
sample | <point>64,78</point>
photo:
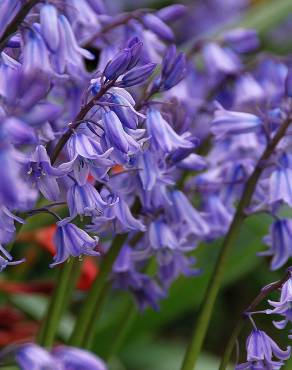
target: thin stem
<point>199,332</point>
<point>95,299</point>
<point>79,118</point>
<point>230,345</point>
<point>127,320</point>
<point>90,335</point>
<point>128,315</point>
<point>121,20</point>
<point>35,211</point>
<point>56,306</point>
<point>15,23</point>
<point>249,311</point>
<point>74,276</point>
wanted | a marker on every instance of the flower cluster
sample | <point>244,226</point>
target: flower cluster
<point>259,346</point>
<point>83,139</point>
<point>101,114</point>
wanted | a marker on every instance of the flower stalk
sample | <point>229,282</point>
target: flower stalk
<point>95,299</point>
<point>265,291</point>
<point>56,306</point>
<point>203,319</point>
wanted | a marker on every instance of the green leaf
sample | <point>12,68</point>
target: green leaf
<point>186,293</point>
<point>266,15</point>
<point>148,353</point>
<point>35,307</point>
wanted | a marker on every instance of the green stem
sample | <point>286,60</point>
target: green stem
<point>129,313</point>
<point>265,291</point>
<point>230,345</point>
<point>74,276</point>
<point>127,319</point>
<point>56,306</point>
<point>89,338</point>
<point>96,297</point>
<point>199,331</point>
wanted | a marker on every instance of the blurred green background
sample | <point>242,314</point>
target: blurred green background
<point>157,340</point>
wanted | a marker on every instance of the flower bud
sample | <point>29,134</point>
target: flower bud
<point>156,25</point>
<point>242,40</point>
<point>137,75</point>
<point>171,12</point>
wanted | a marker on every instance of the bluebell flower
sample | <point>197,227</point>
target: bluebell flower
<point>118,218</point>
<point>173,68</point>
<point>43,175</point>
<point>146,291</point>
<point>88,155</point>
<point>231,122</point>
<point>281,181</point>
<point>69,57</point>
<point>10,184</point>
<point>161,236</point>
<point>49,26</point>
<point>124,60</point>
<point>7,233</point>
<point>272,74</point>
<point>260,352</point>
<point>137,75</point>
<point>283,307</point>
<point>149,171</point>
<point>27,89</point>
<point>279,240</point>
<point>118,65</point>
<point>85,200</point>
<point>242,40</point>
<point>115,135</point>
<point>156,25</point>
<point>124,107</point>
<point>7,227</point>
<point>19,132</point>
<point>172,265</point>
<point>135,45</point>
<point>235,174</point>
<point>80,144</point>
<point>35,54</point>
<point>124,272</point>
<point>171,12</point>
<point>162,135</point>
<point>77,359</point>
<point>124,261</point>
<point>158,196</point>
<point>217,214</point>
<point>70,240</point>
<point>8,9</point>
<point>41,113</point>
<point>220,60</point>
<point>248,90</point>
<point>183,211</point>
<point>86,19</point>
<point>193,162</point>
<point>31,356</point>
